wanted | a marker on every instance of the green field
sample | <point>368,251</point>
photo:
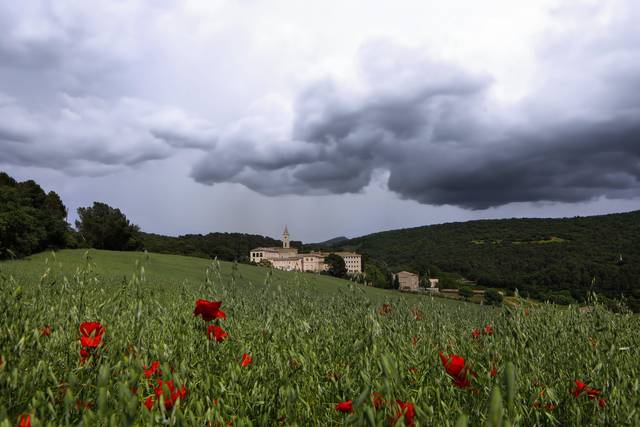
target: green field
<point>314,341</point>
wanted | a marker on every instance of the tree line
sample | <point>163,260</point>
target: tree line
<point>560,260</point>
<point>32,220</point>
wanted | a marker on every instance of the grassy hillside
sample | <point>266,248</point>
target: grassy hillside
<point>290,348</point>
<point>545,258</point>
<point>166,272</point>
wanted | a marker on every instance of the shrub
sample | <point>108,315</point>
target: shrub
<point>492,297</point>
<point>466,292</point>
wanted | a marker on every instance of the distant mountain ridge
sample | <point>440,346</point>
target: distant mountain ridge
<point>331,242</point>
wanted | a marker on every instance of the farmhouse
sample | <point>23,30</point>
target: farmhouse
<point>407,280</point>
<point>288,258</point>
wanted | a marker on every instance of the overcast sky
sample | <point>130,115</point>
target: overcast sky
<point>334,117</point>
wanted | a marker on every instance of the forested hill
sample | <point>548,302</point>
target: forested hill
<point>224,246</point>
<point>534,255</point>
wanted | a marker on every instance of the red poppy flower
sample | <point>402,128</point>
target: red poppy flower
<point>148,403</point>
<point>345,407</point>
<point>592,393</point>
<point>91,334</point>
<point>377,400</point>
<point>209,310</point>
<point>475,333</point>
<point>386,308</point>
<point>493,372</point>
<point>579,387</point>
<point>406,409</point>
<point>173,395</point>
<point>91,329</point>
<point>216,332</point>
<point>550,406</point>
<point>454,366</point>
<point>488,330</point>
<point>81,404</point>
<point>45,331</point>
<point>246,360</point>
<point>25,421</point>
<point>90,338</point>
<point>602,402</point>
<point>84,355</point>
<point>150,371</point>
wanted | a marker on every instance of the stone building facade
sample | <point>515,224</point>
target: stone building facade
<point>288,258</point>
<point>408,280</point>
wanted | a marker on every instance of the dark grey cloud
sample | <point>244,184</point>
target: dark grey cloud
<point>432,127</point>
<point>436,129</point>
<point>91,136</point>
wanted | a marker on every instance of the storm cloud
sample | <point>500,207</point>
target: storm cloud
<point>444,105</point>
<point>443,139</point>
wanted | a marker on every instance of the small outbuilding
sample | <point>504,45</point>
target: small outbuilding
<point>408,280</point>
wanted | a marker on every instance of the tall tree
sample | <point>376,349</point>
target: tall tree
<point>337,267</point>
<point>104,227</point>
<point>30,219</point>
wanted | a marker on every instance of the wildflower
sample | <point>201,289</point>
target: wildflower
<point>602,402</point>
<point>475,333</point>
<point>550,406</point>
<point>591,392</point>
<point>455,367</point>
<point>413,370</point>
<point>209,310</point>
<point>493,371</point>
<point>81,404</point>
<point>148,403</point>
<point>406,409</point>
<point>579,387</point>
<point>90,338</point>
<point>25,421</point>
<point>216,332</point>
<point>172,395</point>
<point>377,399</point>
<point>150,371</point>
<point>45,331</point>
<point>345,407</point>
<point>91,334</point>
<point>488,330</point>
<point>385,309</point>
<point>246,360</point>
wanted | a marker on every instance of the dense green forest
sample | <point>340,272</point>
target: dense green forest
<point>547,259</point>
<point>30,219</point>
<point>224,246</point>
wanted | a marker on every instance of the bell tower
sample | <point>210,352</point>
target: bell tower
<point>285,238</point>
